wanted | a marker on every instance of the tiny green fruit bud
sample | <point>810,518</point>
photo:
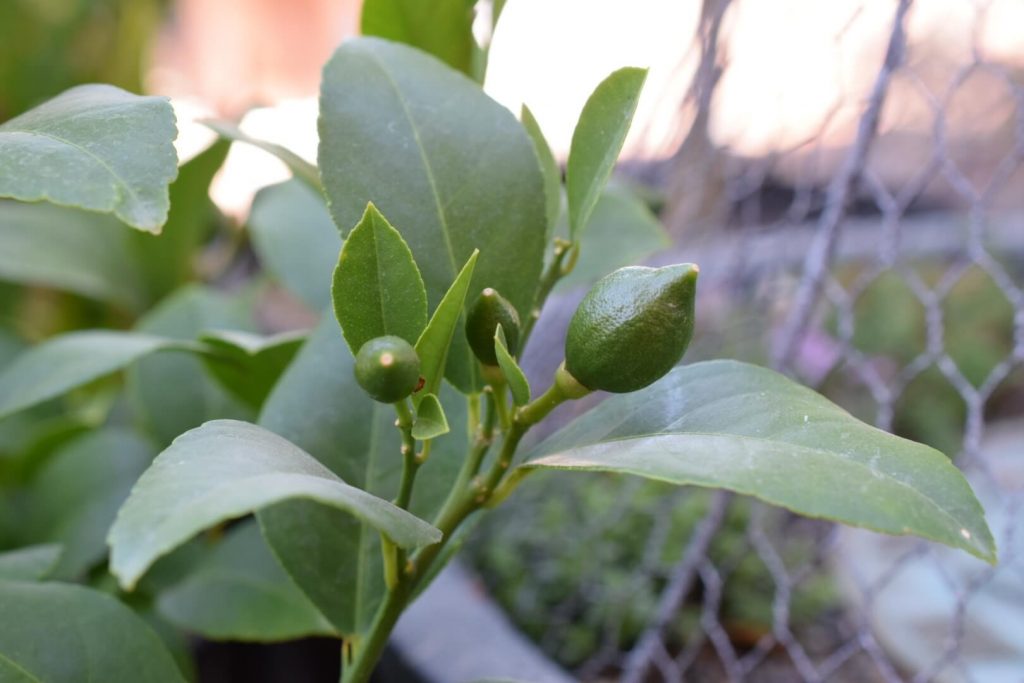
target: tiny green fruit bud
<point>488,311</point>
<point>632,327</point>
<point>387,368</point>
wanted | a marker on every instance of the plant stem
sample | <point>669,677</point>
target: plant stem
<point>371,649</point>
<point>555,272</point>
<point>410,464</point>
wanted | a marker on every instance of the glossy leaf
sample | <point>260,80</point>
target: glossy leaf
<point>377,288</point>
<point>597,141</point>
<point>517,381</point>
<point>444,28</point>
<point>300,168</point>
<point>172,393</point>
<point>433,345</point>
<point>227,469</point>
<point>70,250</point>
<point>452,169</point>
<point>61,633</point>
<point>31,563</point>
<point>430,419</point>
<point>168,260</point>
<point>296,241</point>
<point>240,592</point>
<point>548,167</point>
<point>318,406</point>
<point>248,365</point>
<point>95,147</point>
<point>725,424</point>
<point>75,497</point>
<point>621,232</point>
<point>63,363</point>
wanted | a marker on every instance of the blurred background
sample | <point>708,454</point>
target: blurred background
<point>850,177</point>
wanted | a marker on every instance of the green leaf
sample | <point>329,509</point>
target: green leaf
<point>70,250</point>
<point>240,592</point>
<point>548,168</point>
<point>32,563</point>
<point>168,260</point>
<point>430,419</point>
<point>377,287</point>
<point>446,164</point>
<point>598,139</point>
<point>249,365</point>
<point>61,633</point>
<point>172,393</point>
<point>63,363</point>
<point>300,168</point>
<point>444,28</point>
<point>433,345</point>
<point>296,241</point>
<point>75,497</point>
<point>227,469</point>
<point>517,381</point>
<point>95,147</point>
<point>621,231</point>
<point>318,405</point>
<point>725,424</point>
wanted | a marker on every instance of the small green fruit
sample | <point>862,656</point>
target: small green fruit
<point>387,368</point>
<point>632,327</point>
<point>490,310</point>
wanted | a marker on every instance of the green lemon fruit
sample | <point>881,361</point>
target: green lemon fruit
<point>488,311</point>
<point>632,327</point>
<point>387,368</point>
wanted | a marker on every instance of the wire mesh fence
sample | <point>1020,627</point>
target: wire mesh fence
<point>886,271</point>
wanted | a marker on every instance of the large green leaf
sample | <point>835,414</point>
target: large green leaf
<point>377,288</point>
<point>318,406</point>
<point>621,231</point>
<point>597,140</point>
<point>725,424</point>
<point>227,469</point>
<point>444,28</point>
<point>63,363</point>
<point>240,592</point>
<point>60,633</point>
<point>168,260</point>
<point>172,393</point>
<point>452,169</point>
<point>249,365</point>
<point>71,250</point>
<point>296,240</point>
<point>31,563</point>
<point>96,147</point>
<point>75,497</point>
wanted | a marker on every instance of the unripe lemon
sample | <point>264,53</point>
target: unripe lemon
<point>387,368</point>
<point>488,311</point>
<point>632,327</point>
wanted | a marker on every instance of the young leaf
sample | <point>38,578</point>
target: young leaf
<point>75,497</point>
<point>317,405</point>
<point>31,563</point>
<point>96,147</point>
<point>517,381</point>
<point>725,424</point>
<point>449,166</point>
<point>597,141</point>
<point>444,28</point>
<point>240,592</point>
<point>430,419</point>
<point>300,168</point>
<point>432,346</point>
<point>377,287</point>
<point>296,241</point>
<point>63,363</point>
<point>227,469</point>
<point>61,632</point>
<point>548,168</point>
<point>249,365</point>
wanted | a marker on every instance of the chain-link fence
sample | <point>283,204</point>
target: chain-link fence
<point>881,260</point>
